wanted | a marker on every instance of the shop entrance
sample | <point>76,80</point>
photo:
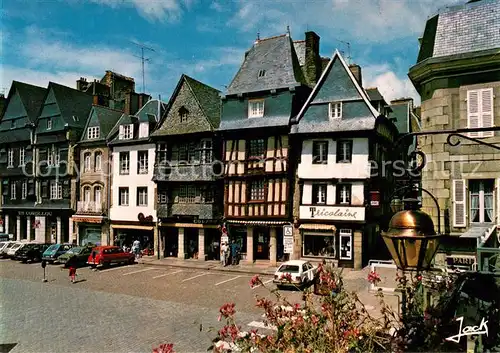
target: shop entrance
<point>89,235</point>
<point>126,237</point>
<point>261,243</point>
<point>170,242</point>
<point>24,228</point>
<point>191,242</point>
<point>212,244</point>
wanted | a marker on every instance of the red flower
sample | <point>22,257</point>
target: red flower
<point>374,277</point>
<point>255,281</point>
<point>227,310</point>
<point>286,276</point>
<point>419,278</point>
<point>164,348</point>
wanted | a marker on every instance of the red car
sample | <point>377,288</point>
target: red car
<point>106,255</point>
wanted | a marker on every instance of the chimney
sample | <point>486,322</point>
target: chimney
<point>356,71</point>
<point>312,65</point>
<point>81,84</point>
<point>128,98</point>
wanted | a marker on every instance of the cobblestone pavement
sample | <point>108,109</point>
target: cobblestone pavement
<point>127,308</point>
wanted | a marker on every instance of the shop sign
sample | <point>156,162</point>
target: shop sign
<point>35,213</point>
<point>460,260</point>
<point>288,244</point>
<point>333,213</point>
<point>288,230</point>
<point>375,198</point>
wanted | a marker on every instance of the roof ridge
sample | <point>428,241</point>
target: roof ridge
<point>204,84</point>
<point>108,108</point>
<point>268,38</point>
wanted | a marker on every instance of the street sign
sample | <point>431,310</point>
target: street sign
<point>288,245</point>
<point>288,230</point>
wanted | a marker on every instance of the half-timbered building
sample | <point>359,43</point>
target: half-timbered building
<point>340,193</point>
<point>187,171</point>
<point>268,90</point>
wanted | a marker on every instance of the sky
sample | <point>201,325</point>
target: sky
<point>61,41</point>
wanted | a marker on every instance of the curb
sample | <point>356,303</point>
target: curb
<point>208,268</point>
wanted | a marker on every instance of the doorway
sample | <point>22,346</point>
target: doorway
<point>261,243</point>
<point>171,242</point>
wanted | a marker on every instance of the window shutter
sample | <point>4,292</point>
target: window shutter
<point>459,197</point>
<point>120,137</point>
<point>487,111</point>
<point>473,112</point>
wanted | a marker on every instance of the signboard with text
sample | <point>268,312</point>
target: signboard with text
<point>333,213</point>
<point>288,244</point>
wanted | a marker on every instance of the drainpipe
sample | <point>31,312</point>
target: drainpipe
<point>108,196</point>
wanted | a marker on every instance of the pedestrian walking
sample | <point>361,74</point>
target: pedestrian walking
<point>72,273</point>
<point>234,253</point>
<point>136,248</point>
<point>224,254</point>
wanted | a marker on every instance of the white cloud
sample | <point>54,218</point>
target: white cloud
<point>154,10</point>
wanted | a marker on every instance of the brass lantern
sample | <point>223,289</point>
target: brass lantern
<point>411,238</point>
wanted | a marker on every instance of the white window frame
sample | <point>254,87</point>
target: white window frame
<point>87,196</point>
<point>256,108</point>
<point>128,131</point>
<point>142,162</point>
<point>22,156</point>
<point>206,151</point>
<point>335,110</point>
<point>143,130</point>
<point>57,155</point>
<point>55,190</point>
<point>10,158</point>
<point>142,196</point>
<point>482,115</point>
<point>50,157</point>
<point>93,132</point>
<point>344,192</point>
<point>87,161</point>
<point>98,161</point>
<point>323,152</point>
<point>13,189</point>
<point>481,196</point>
<point>321,193</point>
<point>123,196</point>
<point>125,162</point>
<point>343,234</point>
<point>24,190</point>
<point>346,147</point>
<point>49,123</point>
<point>162,197</point>
<point>98,195</point>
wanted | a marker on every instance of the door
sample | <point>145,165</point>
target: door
<point>261,241</point>
<point>345,244</point>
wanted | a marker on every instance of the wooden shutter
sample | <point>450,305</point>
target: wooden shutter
<point>473,112</point>
<point>487,111</point>
<point>120,137</point>
<point>459,198</point>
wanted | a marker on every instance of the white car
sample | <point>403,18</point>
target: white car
<point>12,250</point>
<point>4,245</point>
<point>297,273</point>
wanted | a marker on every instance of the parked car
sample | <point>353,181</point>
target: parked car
<point>31,252</point>
<point>54,251</point>
<point>106,255</point>
<point>296,273</point>
<point>7,245</point>
<point>75,256</point>
<point>12,250</point>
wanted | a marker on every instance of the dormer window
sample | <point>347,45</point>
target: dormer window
<point>143,130</point>
<point>335,110</point>
<point>183,115</point>
<point>49,123</point>
<point>256,108</point>
<point>93,132</point>
<point>126,132</point>
<point>262,73</point>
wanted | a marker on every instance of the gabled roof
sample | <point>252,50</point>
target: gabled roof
<point>31,96</point>
<point>208,99</point>
<point>104,117</point>
<point>276,58</point>
<point>471,27</point>
<point>324,75</point>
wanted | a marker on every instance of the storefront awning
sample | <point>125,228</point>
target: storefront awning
<point>189,225</point>
<point>260,223</point>
<point>124,226</point>
<point>83,219</point>
<point>325,227</point>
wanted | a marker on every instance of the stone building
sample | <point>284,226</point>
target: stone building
<point>187,171</point>
<point>458,77</point>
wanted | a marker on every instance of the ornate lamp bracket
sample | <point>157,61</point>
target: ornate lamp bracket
<point>454,140</point>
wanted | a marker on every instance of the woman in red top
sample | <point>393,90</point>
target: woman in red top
<point>72,273</point>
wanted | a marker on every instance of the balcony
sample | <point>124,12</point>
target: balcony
<point>89,207</point>
<point>197,210</point>
<point>193,172</point>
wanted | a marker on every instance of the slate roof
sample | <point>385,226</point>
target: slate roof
<point>15,135</point>
<point>300,50</point>
<point>277,57</point>
<point>32,98</point>
<point>374,94</point>
<point>107,119</point>
<point>466,28</point>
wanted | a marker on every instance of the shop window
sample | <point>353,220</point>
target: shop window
<point>320,152</point>
<point>319,194</point>
<point>344,194</point>
<point>319,245</point>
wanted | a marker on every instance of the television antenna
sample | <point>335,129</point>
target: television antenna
<point>143,60</point>
<point>348,49</point>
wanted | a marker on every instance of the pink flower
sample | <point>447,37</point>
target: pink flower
<point>255,281</point>
<point>164,348</point>
<point>227,310</point>
<point>374,277</point>
<point>286,276</point>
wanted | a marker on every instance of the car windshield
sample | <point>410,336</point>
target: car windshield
<point>52,247</point>
<point>10,245</point>
<point>75,250</point>
<point>2,244</point>
<point>16,246</point>
<point>289,268</point>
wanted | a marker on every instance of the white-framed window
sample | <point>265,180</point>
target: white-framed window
<point>98,195</point>
<point>161,153</point>
<point>55,190</point>
<point>319,194</point>
<point>49,123</point>
<point>142,196</point>
<point>344,151</point>
<point>335,110</point>
<point>50,157</point>
<point>257,190</point>
<point>162,197</point>
<point>53,156</point>
<point>86,194</point>
<point>93,132</point>
<point>124,162</point>
<point>142,162</point>
<point>481,201</point>
<point>123,196</point>
<point>24,190</point>
<point>480,111</point>
<point>345,236</point>
<point>126,132</point>
<point>98,161</point>
<point>87,160</point>
<point>22,156</point>
<point>57,155</point>
<point>13,189</point>
<point>343,194</point>
<point>256,108</point>
<point>10,158</point>
<point>320,152</point>
<point>143,130</point>
<point>206,151</point>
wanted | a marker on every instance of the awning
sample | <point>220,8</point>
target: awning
<point>325,227</point>
<point>260,223</point>
<point>477,231</point>
<point>87,219</point>
<point>189,225</point>
<point>124,226</point>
